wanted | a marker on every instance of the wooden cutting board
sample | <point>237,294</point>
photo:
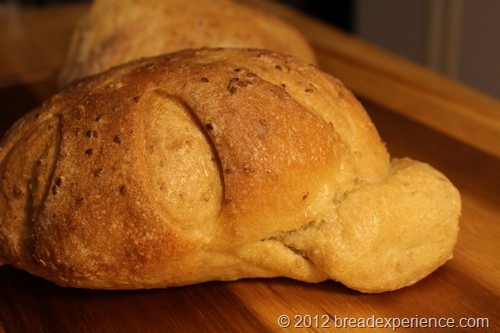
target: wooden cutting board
<point>418,113</point>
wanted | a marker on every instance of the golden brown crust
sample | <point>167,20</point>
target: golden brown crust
<point>117,31</point>
<point>216,164</point>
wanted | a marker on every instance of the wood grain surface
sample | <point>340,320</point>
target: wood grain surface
<point>418,113</point>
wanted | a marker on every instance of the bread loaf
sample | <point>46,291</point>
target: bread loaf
<point>216,164</point>
<point>113,32</point>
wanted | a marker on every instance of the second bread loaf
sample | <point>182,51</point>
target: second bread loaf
<point>117,31</point>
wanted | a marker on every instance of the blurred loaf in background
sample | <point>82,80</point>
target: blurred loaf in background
<point>113,32</point>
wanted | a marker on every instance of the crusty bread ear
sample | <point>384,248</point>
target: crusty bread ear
<point>216,164</point>
<point>117,31</point>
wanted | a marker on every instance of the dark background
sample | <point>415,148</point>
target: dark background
<point>339,12</point>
